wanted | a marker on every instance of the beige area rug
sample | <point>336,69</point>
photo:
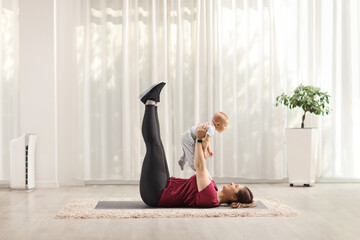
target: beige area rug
<point>84,208</point>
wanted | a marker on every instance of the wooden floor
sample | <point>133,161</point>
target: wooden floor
<point>327,211</point>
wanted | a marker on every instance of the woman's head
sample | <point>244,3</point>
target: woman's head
<point>238,195</point>
<point>244,195</point>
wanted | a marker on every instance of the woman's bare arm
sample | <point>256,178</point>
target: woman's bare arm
<point>202,174</point>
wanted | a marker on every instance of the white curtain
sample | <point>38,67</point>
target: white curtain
<point>318,44</point>
<point>233,56</point>
<point>9,53</point>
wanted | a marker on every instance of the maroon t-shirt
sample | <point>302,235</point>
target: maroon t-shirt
<point>180,192</point>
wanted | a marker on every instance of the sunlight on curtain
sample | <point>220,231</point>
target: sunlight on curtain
<point>9,45</point>
<point>199,48</point>
<point>109,76</point>
<point>318,44</point>
<point>233,56</point>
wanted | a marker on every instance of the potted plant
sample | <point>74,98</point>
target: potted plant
<point>301,143</point>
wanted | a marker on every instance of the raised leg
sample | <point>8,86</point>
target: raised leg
<point>162,147</point>
<point>154,174</point>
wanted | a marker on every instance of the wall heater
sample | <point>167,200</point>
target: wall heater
<point>22,162</point>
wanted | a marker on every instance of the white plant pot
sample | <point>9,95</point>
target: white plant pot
<point>301,155</point>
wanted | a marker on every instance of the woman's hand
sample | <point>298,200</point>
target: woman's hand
<point>201,130</point>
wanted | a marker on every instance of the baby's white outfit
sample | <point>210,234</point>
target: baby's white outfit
<point>188,145</point>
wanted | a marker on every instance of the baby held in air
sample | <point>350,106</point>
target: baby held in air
<point>219,123</point>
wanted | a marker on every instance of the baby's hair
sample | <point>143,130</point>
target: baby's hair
<point>220,117</point>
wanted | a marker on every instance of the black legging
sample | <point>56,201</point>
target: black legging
<point>154,172</point>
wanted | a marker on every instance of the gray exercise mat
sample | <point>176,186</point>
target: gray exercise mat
<point>142,205</point>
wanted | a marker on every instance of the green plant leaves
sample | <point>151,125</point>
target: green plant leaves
<point>308,98</point>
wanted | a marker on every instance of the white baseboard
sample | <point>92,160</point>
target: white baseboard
<point>228,180</point>
<point>71,182</point>
<point>285,180</point>
<point>46,184</point>
<point>4,183</point>
<point>111,182</point>
<point>217,180</point>
<point>338,180</point>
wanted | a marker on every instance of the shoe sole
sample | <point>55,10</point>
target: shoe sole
<point>148,90</point>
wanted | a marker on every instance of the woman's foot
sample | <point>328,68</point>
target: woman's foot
<point>191,164</point>
<point>182,162</point>
<point>152,93</point>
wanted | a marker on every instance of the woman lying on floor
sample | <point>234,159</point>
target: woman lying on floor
<point>158,189</point>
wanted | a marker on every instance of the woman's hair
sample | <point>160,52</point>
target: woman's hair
<point>244,199</point>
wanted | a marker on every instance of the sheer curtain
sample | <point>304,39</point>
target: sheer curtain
<point>230,56</point>
<point>318,44</point>
<point>9,47</point>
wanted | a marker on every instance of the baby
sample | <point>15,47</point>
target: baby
<point>219,123</point>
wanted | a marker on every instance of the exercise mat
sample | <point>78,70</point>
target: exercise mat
<point>116,208</point>
<point>142,205</point>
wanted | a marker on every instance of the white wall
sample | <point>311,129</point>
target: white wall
<point>37,85</point>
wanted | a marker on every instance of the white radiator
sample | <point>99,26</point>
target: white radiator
<point>22,162</point>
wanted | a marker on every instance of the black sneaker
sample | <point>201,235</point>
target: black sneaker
<point>152,93</point>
